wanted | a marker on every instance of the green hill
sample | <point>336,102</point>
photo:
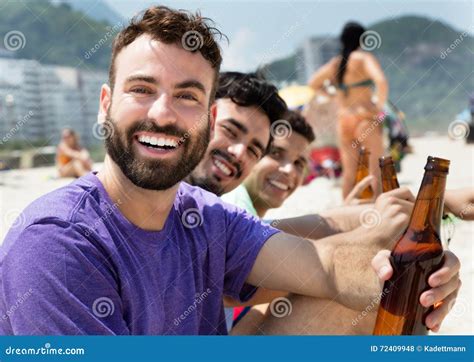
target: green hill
<point>57,34</point>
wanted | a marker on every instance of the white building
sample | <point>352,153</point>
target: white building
<point>312,54</point>
<point>37,101</point>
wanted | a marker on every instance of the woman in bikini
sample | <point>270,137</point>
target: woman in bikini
<point>361,94</point>
<point>71,158</point>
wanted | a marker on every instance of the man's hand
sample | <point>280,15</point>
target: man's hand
<point>444,283</point>
<point>389,217</point>
<point>353,197</point>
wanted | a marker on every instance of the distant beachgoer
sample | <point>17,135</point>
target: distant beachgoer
<point>72,159</point>
<point>361,94</point>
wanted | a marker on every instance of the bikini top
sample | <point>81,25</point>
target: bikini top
<point>363,83</point>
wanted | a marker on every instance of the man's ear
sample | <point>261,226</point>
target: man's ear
<point>212,118</point>
<point>104,103</point>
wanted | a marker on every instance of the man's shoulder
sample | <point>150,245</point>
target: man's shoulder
<point>240,198</point>
<point>64,203</point>
<point>196,194</point>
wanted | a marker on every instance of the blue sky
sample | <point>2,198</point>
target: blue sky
<point>260,31</point>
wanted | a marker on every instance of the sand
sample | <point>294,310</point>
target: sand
<point>19,187</point>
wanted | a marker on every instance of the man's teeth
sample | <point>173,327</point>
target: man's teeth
<point>226,170</point>
<point>158,141</point>
<point>279,185</point>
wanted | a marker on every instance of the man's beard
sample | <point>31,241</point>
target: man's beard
<point>152,174</point>
<point>207,181</point>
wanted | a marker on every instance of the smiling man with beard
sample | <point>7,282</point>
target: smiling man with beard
<point>247,107</point>
<point>132,250</point>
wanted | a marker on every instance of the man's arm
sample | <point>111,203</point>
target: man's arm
<point>72,289</point>
<point>327,223</point>
<point>336,267</point>
<point>333,221</point>
<point>460,202</point>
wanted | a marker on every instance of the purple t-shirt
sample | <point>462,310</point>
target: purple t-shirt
<point>73,264</point>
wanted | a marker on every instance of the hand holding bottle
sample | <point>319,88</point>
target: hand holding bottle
<point>444,283</point>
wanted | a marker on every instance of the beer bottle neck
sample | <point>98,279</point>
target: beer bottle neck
<point>429,203</point>
<point>389,178</point>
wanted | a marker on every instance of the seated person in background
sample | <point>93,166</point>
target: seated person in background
<point>72,159</point>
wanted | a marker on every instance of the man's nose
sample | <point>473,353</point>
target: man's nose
<point>287,168</point>
<point>162,110</point>
<point>238,151</point>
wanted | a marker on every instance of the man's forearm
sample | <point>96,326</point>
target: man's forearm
<point>336,267</point>
<point>324,224</point>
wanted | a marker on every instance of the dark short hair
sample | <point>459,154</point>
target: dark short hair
<point>299,125</point>
<point>252,89</point>
<point>192,31</point>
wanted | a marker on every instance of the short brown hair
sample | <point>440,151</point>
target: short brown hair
<point>193,32</point>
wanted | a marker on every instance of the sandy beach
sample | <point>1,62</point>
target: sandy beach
<point>19,187</point>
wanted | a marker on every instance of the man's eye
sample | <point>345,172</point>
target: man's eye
<point>301,165</point>
<point>140,90</point>
<point>275,154</point>
<point>254,152</point>
<point>229,132</point>
<point>189,97</point>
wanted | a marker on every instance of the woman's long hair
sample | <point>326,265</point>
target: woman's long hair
<point>350,40</point>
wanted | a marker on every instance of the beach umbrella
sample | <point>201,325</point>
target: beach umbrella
<point>297,96</point>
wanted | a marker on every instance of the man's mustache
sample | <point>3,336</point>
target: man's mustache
<point>229,158</point>
<point>149,126</point>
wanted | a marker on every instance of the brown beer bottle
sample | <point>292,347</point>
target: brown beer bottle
<point>389,175</point>
<point>414,258</point>
<point>363,171</point>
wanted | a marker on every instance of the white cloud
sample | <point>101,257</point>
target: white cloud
<point>236,54</point>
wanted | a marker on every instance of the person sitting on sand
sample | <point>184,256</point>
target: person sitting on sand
<point>72,159</point>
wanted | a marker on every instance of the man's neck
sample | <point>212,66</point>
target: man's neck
<point>261,209</point>
<point>146,209</point>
